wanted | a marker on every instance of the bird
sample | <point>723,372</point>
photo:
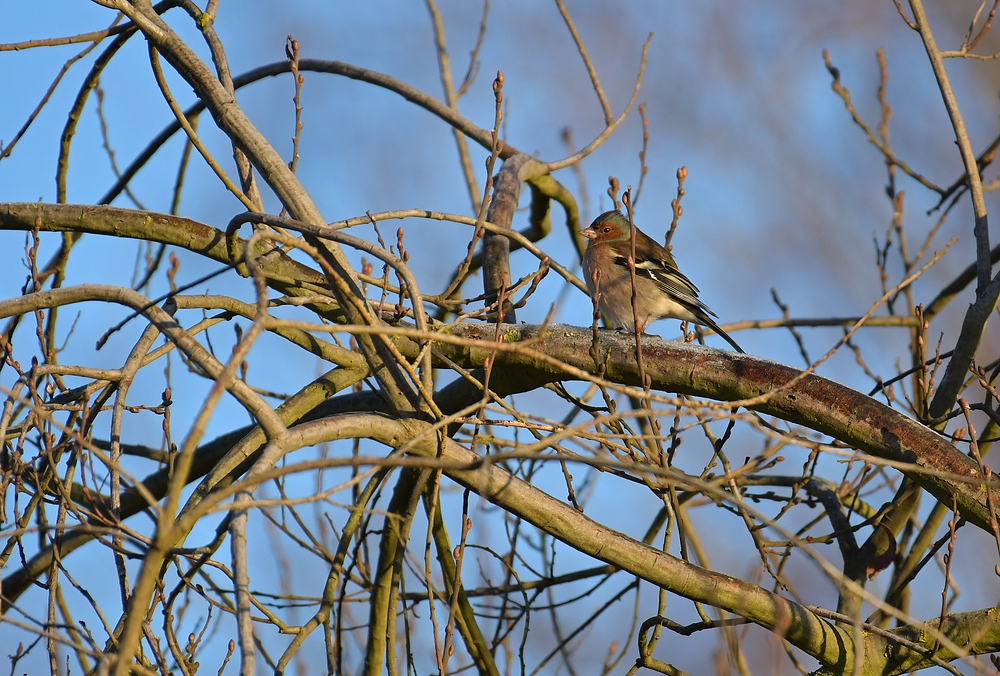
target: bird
<point>662,290</point>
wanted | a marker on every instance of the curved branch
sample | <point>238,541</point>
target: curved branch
<point>231,119</point>
<point>163,321</point>
<point>800,626</point>
<point>529,359</point>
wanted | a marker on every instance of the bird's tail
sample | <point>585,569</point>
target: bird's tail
<point>707,321</point>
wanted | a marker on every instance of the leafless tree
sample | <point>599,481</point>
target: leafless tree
<point>436,496</point>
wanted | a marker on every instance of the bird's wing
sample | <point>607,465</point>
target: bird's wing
<point>669,280</point>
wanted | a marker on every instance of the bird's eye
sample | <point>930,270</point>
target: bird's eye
<point>607,229</point>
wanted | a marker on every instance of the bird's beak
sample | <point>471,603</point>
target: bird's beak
<point>589,233</point>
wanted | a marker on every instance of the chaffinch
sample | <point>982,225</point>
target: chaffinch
<point>661,289</point>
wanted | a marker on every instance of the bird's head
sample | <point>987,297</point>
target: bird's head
<point>608,227</point>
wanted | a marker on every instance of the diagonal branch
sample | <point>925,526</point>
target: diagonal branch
<point>987,291</point>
